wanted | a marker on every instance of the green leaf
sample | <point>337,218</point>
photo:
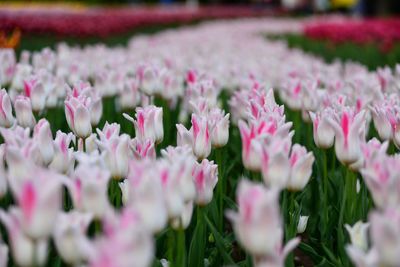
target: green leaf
<point>220,242</point>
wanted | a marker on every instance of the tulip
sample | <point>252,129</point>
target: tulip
<point>143,149</point>
<point>205,175</point>
<point>361,258</point>
<point>43,137</point>
<point>385,237</point>
<point>302,225</point>
<point>88,189</point>
<point>116,155</point>
<point>258,225</point>
<point>129,97</point>
<point>220,127</point>
<point>275,164</point>
<point>23,112</point>
<point>148,123</point>
<point>34,89</point>
<point>125,244</point>
<point>109,131</point>
<point>347,135</point>
<point>301,167</point>
<point>201,137</point>
<point>24,250</point>
<point>69,230</point>
<point>145,194</point>
<point>6,117</point>
<point>39,200</point>
<point>78,116</point>
<point>358,234</point>
<point>323,133</point>
<point>382,122</point>
<point>182,162</point>
<point>63,161</point>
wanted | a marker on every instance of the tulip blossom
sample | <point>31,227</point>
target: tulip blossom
<point>182,162</point>
<point>6,117</point>
<point>358,234</point>
<point>300,167</point>
<point>78,116</point>
<point>43,137</point>
<point>63,160</point>
<point>88,188</point>
<point>385,237</point>
<point>23,112</point>
<point>220,127</point>
<point>116,155</point>
<point>322,131</point>
<point>38,195</point>
<point>198,137</point>
<point>348,128</point>
<point>24,250</point>
<point>126,243</point>
<point>205,175</point>
<point>258,225</point>
<point>69,231</point>
<point>148,123</point>
<point>34,89</point>
<point>144,193</point>
<point>143,149</point>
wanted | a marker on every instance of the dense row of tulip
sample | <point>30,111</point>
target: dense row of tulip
<point>90,174</point>
<point>101,22</point>
<point>383,32</point>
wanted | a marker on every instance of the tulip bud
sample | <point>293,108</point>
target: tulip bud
<point>6,117</point>
<point>302,225</point>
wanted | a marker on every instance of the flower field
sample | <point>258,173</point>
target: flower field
<point>207,145</point>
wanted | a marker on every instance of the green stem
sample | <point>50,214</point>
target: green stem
<point>220,189</point>
<point>198,243</point>
<point>326,185</point>
<point>181,247</point>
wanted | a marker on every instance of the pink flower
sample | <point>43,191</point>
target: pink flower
<point>148,123</point>
<point>23,112</point>
<point>44,140</point>
<point>78,115</point>
<point>38,195</point>
<point>70,229</point>
<point>23,249</point>
<point>205,175</point>
<point>258,224</point>
<point>323,132</point>
<point>6,117</point>
<point>63,160</point>
<point>349,128</point>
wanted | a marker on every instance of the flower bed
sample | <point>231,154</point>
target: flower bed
<point>384,32</point>
<point>176,150</point>
<point>110,21</point>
